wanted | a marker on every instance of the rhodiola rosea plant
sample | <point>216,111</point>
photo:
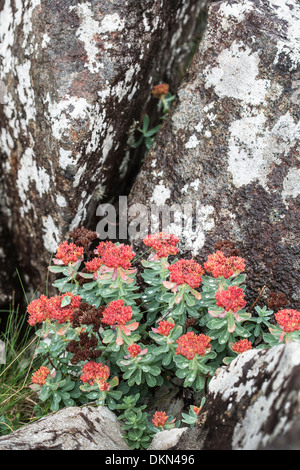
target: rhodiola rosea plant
<point>107,340</point>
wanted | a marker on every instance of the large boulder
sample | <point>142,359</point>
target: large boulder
<point>228,150</point>
<point>73,428</point>
<point>252,404</point>
<point>77,77</point>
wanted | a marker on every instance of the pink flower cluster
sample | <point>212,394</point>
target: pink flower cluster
<point>93,265</point>
<point>116,313</point>
<point>44,309</point>
<point>186,272</point>
<point>159,419</point>
<point>191,344</point>
<point>241,346</point>
<point>232,299</point>
<point>164,244</point>
<point>219,265</point>
<point>288,320</point>
<point>40,376</point>
<point>96,372</point>
<point>68,253</point>
<point>134,350</point>
<point>164,328</point>
<point>115,256</point>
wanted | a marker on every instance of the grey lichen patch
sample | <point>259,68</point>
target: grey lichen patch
<point>254,149</point>
<point>236,75</point>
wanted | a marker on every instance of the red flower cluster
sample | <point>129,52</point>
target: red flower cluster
<point>134,350</point>
<point>43,309</point>
<point>115,256</point>
<point>159,419</point>
<point>160,90</point>
<point>196,410</point>
<point>186,272</point>
<point>37,310</point>
<point>163,243</point>
<point>94,372</point>
<point>231,299</point>
<point>219,265</point>
<point>63,314</point>
<point>93,265</point>
<point>116,314</point>
<point>191,344</point>
<point>69,253</point>
<point>241,346</point>
<point>288,320</point>
<point>164,328</point>
<point>40,376</point>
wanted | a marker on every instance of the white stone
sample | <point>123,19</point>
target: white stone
<point>165,440</point>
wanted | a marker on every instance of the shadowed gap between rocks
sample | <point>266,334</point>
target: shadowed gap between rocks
<point>17,280</point>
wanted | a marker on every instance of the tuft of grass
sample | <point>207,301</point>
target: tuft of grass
<point>18,403</point>
<point>17,400</point>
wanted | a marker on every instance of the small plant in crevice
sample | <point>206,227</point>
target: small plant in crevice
<point>108,341</point>
<point>165,98</point>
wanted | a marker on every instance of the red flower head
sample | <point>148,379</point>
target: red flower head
<point>164,328</point>
<point>94,372</point>
<point>163,243</point>
<point>191,344</point>
<point>160,90</point>
<point>196,410</point>
<point>38,311</point>
<point>219,265</point>
<point>159,419</point>
<point>186,272</point>
<point>63,314</point>
<point>134,350</point>
<point>93,265</point>
<point>115,256</point>
<point>288,320</point>
<point>231,299</point>
<point>43,309</point>
<point>241,346</point>
<point>40,376</point>
<point>69,253</point>
<point>116,313</point>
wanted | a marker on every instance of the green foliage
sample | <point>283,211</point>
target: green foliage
<point>148,134</point>
<point>18,403</point>
<point>150,348</point>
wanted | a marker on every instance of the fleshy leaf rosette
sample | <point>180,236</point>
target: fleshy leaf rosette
<point>192,353</point>
<point>287,328</point>
<point>95,378</point>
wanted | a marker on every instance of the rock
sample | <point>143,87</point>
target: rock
<point>78,76</point>
<point>227,156</point>
<point>250,404</point>
<point>73,428</point>
<point>287,441</point>
<point>166,440</point>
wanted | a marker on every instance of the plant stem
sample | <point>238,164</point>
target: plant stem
<point>258,297</point>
